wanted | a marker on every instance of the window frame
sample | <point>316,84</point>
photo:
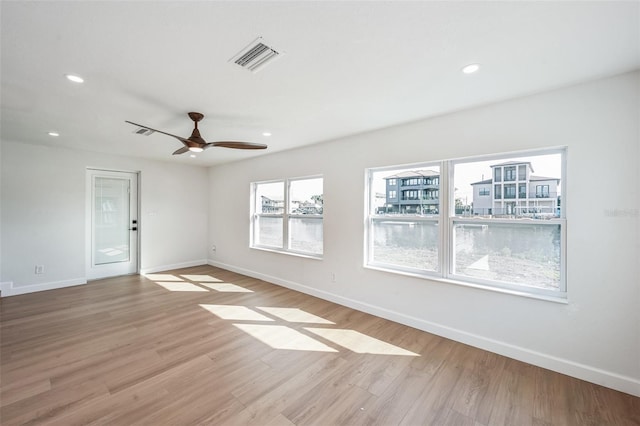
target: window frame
<point>447,221</point>
<point>285,216</point>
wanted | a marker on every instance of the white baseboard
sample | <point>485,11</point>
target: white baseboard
<point>162,268</point>
<point>570,368</point>
<point>8,289</point>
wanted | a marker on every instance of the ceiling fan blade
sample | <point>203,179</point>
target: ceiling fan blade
<point>238,145</point>
<point>181,150</point>
<point>181,139</point>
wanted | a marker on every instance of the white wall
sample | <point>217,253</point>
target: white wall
<point>43,214</point>
<point>596,336</point>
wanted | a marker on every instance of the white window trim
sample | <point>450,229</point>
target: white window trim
<point>285,216</point>
<point>446,244</point>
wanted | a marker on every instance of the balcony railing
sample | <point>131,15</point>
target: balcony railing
<point>521,195</point>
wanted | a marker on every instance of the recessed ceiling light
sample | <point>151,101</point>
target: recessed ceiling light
<point>471,68</point>
<point>266,134</point>
<point>75,78</point>
<point>54,134</point>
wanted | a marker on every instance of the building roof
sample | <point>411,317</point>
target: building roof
<point>486,181</point>
<point>414,173</point>
<point>543,178</point>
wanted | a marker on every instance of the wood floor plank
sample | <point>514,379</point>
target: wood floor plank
<point>268,401</point>
<point>398,398</point>
<point>136,351</point>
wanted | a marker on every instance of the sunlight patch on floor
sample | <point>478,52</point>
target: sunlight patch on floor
<point>359,343</point>
<point>180,286</point>
<point>226,287</point>
<point>282,337</point>
<point>163,277</point>
<point>235,313</point>
<point>294,315</point>
<point>201,278</point>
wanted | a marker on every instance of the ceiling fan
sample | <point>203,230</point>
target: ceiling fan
<point>195,143</point>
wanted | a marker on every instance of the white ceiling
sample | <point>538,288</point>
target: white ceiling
<point>348,67</point>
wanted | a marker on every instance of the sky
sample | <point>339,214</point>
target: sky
<point>466,173</point>
<point>301,189</point>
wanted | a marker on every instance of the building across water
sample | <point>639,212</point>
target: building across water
<point>514,190</point>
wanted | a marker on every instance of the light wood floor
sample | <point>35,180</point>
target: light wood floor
<point>133,350</point>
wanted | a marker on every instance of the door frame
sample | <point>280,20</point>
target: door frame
<point>89,173</point>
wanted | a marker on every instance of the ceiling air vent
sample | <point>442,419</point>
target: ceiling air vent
<point>255,56</point>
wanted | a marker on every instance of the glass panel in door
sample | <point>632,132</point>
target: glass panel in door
<point>111,220</point>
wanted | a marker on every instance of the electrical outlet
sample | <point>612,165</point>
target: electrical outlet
<point>39,269</point>
<point>333,277</point>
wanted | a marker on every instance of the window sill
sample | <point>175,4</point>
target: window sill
<point>288,252</point>
<point>520,293</point>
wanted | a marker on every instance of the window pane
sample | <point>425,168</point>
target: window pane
<point>305,196</point>
<point>406,191</point>
<point>111,239</point>
<point>537,190</point>
<point>268,231</point>
<point>406,244</point>
<point>305,234</point>
<point>270,198</point>
<point>520,254</point>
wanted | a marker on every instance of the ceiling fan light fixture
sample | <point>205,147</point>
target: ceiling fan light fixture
<point>195,142</point>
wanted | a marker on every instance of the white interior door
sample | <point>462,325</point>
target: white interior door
<point>112,212</point>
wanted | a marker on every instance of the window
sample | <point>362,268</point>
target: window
<point>411,182</point>
<point>392,194</point>
<point>287,216</point>
<point>391,182</point>
<point>510,173</point>
<point>522,190</point>
<point>522,172</point>
<point>497,173</point>
<point>510,191</point>
<point>404,234</point>
<point>542,191</point>
<point>489,242</point>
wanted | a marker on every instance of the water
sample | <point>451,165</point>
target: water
<point>305,234</point>
<point>522,254</point>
